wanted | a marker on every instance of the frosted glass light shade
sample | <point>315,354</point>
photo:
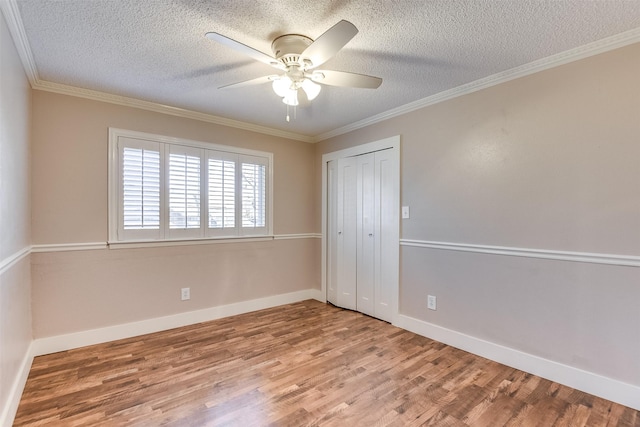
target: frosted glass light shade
<point>281,86</point>
<point>311,89</point>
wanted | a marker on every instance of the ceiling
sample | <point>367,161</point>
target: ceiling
<point>156,50</point>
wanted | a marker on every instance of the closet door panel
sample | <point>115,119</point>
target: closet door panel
<point>386,206</point>
<point>366,215</point>
<point>347,232</point>
<point>332,232</point>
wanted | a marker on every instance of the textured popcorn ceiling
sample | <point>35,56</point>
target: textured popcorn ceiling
<point>156,50</point>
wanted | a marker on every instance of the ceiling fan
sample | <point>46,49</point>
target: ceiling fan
<point>297,57</point>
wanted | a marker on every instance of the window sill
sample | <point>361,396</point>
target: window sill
<point>133,244</point>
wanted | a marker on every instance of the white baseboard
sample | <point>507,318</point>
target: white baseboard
<point>96,336</point>
<point>598,385</point>
<point>10,408</point>
<point>318,295</point>
<point>607,388</point>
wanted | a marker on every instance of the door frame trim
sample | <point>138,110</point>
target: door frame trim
<point>392,143</point>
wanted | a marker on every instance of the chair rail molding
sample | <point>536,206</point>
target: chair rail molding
<point>587,257</point>
<point>13,259</point>
<point>91,246</point>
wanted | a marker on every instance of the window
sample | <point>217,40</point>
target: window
<point>169,189</point>
<point>141,188</point>
<point>253,194</point>
<point>222,191</point>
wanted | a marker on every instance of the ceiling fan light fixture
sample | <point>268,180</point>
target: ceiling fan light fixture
<point>291,97</point>
<point>298,56</point>
<point>282,85</point>
<point>311,89</point>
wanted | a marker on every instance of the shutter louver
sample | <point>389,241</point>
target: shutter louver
<point>222,177</point>
<point>141,189</point>
<point>169,189</point>
<point>253,195</point>
<point>184,191</point>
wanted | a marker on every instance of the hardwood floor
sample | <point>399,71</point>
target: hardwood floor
<point>301,364</point>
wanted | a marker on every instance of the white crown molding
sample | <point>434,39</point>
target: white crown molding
<point>14,21</point>
<point>16,29</point>
<point>581,52</point>
<point>165,109</point>
<point>586,257</point>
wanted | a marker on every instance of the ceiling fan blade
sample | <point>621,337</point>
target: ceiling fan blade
<point>252,82</point>
<point>329,43</point>
<point>342,78</point>
<point>243,48</point>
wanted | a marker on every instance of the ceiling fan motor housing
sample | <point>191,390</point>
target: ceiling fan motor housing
<point>287,48</point>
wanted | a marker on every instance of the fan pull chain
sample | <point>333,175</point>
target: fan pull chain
<point>295,111</point>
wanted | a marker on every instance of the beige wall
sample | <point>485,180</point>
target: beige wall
<point>70,165</point>
<point>83,290</point>
<point>80,290</point>
<point>15,213</point>
<point>551,162</point>
<point>548,161</point>
<point>14,149</point>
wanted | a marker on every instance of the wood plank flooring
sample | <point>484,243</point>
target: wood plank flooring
<point>304,364</point>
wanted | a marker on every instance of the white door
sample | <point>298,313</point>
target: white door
<point>386,226</point>
<point>332,232</point>
<point>362,226</point>
<point>347,232</point>
<point>365,247</point>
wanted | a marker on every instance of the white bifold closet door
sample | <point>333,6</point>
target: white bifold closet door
<point>360,229</point>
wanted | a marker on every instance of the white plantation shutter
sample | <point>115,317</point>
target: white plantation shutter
<point>141,188</point>
<point>254,193</point>
<point>185,187</point>
<point>140,194</point>
<point>163,188</point>
<point>221,175</point>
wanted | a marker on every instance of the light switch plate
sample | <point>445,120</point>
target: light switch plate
<point>405,212</point>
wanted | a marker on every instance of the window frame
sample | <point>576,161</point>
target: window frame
<point>117,234</point>
<point>222,156</point>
